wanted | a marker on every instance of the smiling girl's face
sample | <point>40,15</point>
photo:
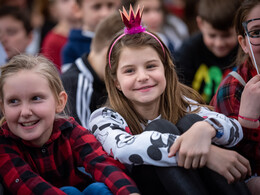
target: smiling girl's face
<point>140,76</point>
<point>29,106</point>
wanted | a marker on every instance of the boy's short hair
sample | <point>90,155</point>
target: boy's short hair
<point>106,31</point>
<point>219,13</point>
<point>79,2</point>
<point>19,14</point>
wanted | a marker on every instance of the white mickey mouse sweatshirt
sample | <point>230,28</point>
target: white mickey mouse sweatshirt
<point>151,147</point>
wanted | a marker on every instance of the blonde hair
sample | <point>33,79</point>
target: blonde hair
<point>38,64</point>
<point>173,104</point>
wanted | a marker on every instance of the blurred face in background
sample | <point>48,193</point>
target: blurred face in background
<point>219,42</point>
<point>67,10</point>
<point>152,14</point>
<point>13,36</point>
<point>19,3</point>
<point>93,11</point>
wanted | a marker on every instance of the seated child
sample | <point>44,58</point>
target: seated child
<point>238,95</point>
<point>142,88</point>
<point>41,148</point>
<point>206,57</point>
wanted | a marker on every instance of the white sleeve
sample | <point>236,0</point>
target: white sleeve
<point>231,129</point>
<point>149,147</point>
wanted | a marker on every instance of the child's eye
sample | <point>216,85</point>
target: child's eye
<point>255,33</point>
<point>151,66</point>
<point>129,70</point>
<point>36,98</point>
<point>13,101</point>
<point>110,5</point>
<point>212,36</point>
<point>97,6</point>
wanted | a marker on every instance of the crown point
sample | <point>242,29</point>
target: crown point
<point>132,20</point>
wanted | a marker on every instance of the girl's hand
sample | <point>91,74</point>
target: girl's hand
<point>228,163</point>
<point>194,145</point>
<point>250,104</point>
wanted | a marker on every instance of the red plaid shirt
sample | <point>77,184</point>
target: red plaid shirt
<point>227,101</point>
<point>26,169</point>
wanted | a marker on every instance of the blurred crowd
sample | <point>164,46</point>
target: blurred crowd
<point>208,40</point>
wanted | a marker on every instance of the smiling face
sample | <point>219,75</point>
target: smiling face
<point>219,42</point>
<point>140,76</point>
<point>29,106</point>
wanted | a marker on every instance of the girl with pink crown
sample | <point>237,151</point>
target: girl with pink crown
<point>161,129</point>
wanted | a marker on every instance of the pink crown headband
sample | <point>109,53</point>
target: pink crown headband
<point>132,26</point>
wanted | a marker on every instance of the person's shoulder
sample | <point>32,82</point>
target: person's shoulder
<point>65,123</point>
<point>69,126</point>
<point>106,116</point>
<point>74,33</point>
<point>78,35</point>
<point>52,35</point>
<point>71,72</point>
<point>193,43</point>
<point>194,40</point>
<point>228,87</point>
<point>177,22</point>
<point>4,130</point>
<point>105,112</point>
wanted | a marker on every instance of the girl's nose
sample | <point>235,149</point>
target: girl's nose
<point>142,76</point>
<point>26,111</point>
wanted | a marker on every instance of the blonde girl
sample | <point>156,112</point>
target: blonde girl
<point>40,150</point>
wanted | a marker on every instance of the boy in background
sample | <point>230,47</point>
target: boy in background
<point>92,12</point>
<point>205,58</point>
<point>84,80</point>
<point>15,30</point>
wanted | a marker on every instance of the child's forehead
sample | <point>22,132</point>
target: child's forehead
<point>8,22</point>
<point>138,55</point>
<point>25,77</point>
<point>28,73</point>
<point>254,13</point>
<point>10,17</point>
<point>208,26</point>
<point>99,1</point>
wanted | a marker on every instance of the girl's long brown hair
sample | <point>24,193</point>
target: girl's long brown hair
<point>240,17</point>
<point>173,104</point>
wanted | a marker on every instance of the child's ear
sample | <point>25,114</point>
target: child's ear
<point>1,107</point>
<point>199,21</point>
<point>242,43</point>
<point>62,100</point>
<point>117,85</point>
